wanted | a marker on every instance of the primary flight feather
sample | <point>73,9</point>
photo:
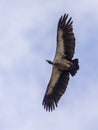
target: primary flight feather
<point>63,64</point>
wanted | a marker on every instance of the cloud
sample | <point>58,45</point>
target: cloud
<point>27,39</point>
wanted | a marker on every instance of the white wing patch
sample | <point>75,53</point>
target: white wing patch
<point>54,77</point>
<point>60,45</point>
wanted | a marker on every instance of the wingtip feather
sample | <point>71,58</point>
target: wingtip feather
<point>64,21</point>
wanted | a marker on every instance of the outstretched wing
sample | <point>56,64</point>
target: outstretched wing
<point>65,49</point>
<point>65,38</point>
<point>56,88</point>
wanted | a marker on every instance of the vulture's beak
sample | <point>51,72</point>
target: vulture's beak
<point>50,62</point>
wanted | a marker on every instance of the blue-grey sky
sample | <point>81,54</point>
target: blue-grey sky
<point>27,39</point>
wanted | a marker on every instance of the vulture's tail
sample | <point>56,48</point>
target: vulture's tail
<point>74,67</point>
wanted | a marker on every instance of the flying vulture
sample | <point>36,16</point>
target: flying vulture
<point>63,65</point>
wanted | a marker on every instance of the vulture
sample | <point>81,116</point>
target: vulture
<point>63,64</point>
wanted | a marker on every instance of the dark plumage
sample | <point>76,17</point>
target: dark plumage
<point>63,64</point>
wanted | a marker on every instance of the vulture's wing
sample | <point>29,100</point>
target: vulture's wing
<point>56,88</point>
<point>65,38</point>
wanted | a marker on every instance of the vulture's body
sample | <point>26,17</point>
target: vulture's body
<point>63,64</point>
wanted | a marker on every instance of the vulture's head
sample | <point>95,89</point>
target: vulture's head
<point>50,62</point>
